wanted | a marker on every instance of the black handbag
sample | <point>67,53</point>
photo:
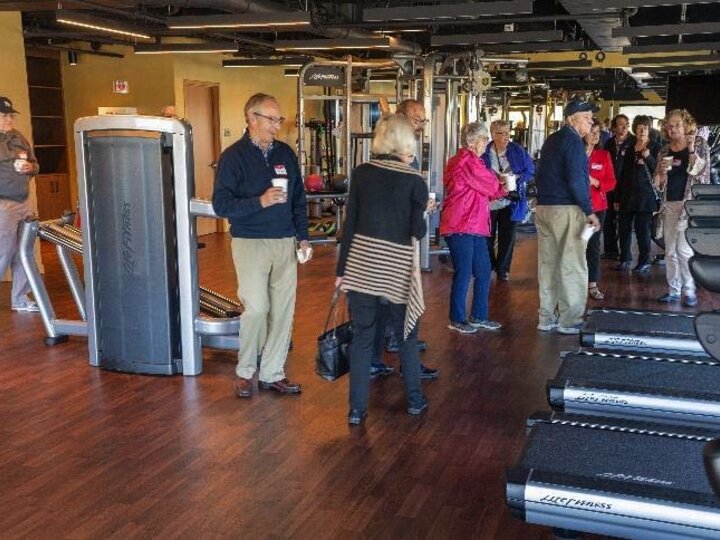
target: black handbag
<point>333,353</point>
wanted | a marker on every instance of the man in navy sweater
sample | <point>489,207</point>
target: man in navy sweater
<point>563,209</point>
<point>258,187</point>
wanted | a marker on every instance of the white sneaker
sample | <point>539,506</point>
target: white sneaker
<point>547,327</point>
<point>27,305</point>
<point>569,330</point>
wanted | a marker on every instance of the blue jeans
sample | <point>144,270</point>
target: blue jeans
<point>470,257</point>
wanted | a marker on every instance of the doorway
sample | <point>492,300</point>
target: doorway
<point>203,112</point>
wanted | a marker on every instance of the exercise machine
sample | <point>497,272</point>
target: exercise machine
<point>615,477</point>
<point>659,332</point>
<point>142,298</point>
<point>677,389</point>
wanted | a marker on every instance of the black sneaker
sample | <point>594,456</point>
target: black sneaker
<point>641,269</point>
<point>420,408</point>
<point>622,266</point>
<point>462,327</point>
<point>426,373</point>
<point>380,370</point>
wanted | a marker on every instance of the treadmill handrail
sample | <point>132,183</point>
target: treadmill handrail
<point>643,357</point>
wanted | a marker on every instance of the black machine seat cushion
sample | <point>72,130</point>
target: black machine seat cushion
<point>706,271</point>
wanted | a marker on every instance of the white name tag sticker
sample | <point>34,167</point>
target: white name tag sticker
<point>280,170</point>
<point>677,162</point>
<point>596,167</point>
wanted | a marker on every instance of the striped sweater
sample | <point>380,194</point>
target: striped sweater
<point>384,220</point>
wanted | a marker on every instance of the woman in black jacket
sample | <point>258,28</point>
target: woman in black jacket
<point>636,198</point>
<point>379,259</point>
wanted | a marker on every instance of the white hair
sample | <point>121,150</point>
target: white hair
<point>472,132</point>
<point>393,135</point>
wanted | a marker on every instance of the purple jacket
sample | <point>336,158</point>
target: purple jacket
<point>469,188</point>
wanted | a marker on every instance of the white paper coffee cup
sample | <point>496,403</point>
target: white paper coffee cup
<point>432,196</point>
<point>18,164</point>
<point>281,183</point>
<point>587,232</point>
<point>303,256</point>
<point>668,162</point>
<point>510,181</point>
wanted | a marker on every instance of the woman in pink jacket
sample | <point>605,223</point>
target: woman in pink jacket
<point>465,224</point>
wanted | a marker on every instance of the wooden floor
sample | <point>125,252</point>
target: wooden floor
<point>86,453</point>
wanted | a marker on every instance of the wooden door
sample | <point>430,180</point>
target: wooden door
<point>201,110</point>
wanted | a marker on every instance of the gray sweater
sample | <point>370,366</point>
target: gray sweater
<point>14,185</point>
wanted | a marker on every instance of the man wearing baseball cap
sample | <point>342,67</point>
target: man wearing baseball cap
<point>563,210</point>
<point>17,167</point>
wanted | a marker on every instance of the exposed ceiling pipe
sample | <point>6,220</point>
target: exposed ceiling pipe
<point>256,6</point>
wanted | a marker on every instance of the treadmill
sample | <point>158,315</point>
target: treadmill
<point>682,389</point>
<point>616,477</point>
<point>642,330</point>
<point>664,332</point>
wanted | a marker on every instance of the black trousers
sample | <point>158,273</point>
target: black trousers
<point>592,254</point>
<point>610,227</point>
<point>364,310</point>
<point>642,222</point>
<point>502,232</point>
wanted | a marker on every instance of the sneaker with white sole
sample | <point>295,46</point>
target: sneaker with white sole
<point>28,306</point>
<point>484,323</point>
<point>462,327</point>
<point>547,326</point>
<point>569,330</point>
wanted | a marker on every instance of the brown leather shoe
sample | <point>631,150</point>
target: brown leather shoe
<point>283,386</point>
<point>243,387</point>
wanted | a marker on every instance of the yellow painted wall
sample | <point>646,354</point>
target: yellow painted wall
<point>236,86</point>
<point>13,83</point>
<point>89,85</point>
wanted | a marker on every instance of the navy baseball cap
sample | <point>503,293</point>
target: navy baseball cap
<point>6,106</point>
<point>579,105</point>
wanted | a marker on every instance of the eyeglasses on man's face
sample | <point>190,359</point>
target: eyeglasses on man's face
<point>274,120</point>
<point>9,116</point>
<point>419,120</point>
<point>501,134</point>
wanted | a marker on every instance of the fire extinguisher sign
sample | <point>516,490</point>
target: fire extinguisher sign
<point>121,87</point>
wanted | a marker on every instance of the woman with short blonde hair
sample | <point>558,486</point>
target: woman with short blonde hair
<point>684,161</point>
<point>378,260</point>
<point>393,136</point>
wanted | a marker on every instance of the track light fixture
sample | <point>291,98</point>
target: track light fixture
<point>72,57</point>
<point>83,20</point>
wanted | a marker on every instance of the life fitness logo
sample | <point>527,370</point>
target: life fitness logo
<point>571,502</point>
<point>324,77</point>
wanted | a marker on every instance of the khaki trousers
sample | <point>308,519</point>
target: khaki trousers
<point>11,215</point>
<point>267,277</point>
<point>677,251</point>
<point>562,265</point>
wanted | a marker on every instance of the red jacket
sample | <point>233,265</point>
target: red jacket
<point>601,168</point>
<point>469,188</point>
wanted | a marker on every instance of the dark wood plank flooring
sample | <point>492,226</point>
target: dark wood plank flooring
<point>86,453</point>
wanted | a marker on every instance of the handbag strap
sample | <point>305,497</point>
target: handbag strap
<point>333,309</point>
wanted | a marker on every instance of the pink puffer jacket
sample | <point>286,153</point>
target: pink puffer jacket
<point>469,188</point>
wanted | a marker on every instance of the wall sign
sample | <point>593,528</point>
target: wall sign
<point>121,87</point>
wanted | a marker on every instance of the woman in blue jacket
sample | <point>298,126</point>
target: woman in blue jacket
<point>503,156</point>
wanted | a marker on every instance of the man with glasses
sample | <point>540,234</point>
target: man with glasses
<point>504,156</point>
<point>414,112</point>
<point>563,210</point>
<point>17,167</point>
<point>258,187</point>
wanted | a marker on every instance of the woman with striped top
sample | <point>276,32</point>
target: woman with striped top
<point>379,259</point>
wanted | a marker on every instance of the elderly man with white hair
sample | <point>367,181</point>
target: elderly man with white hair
<point>563,210</point>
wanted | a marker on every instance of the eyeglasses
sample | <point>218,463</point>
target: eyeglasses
<point>10,116</point>
<point>419,121</point>
<point>501,133</point>
<point>274,120</point>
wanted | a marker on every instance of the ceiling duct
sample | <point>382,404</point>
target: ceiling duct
<point>263,7</point>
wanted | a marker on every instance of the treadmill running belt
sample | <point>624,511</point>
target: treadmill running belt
<point>601,454</point>
<point>646,373</point>
<point>649,323</point>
